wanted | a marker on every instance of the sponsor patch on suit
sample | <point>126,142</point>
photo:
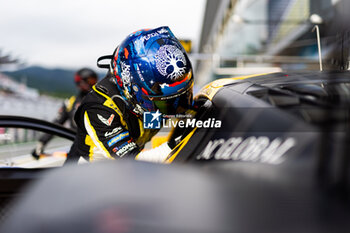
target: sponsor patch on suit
<point>117,138</point>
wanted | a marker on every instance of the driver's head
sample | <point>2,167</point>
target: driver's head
<point>85,78</point>
<point>152,71</point>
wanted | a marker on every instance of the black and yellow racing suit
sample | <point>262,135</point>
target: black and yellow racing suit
<point>106,128</point>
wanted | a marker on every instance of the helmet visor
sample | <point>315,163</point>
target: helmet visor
<point>169,89</point>
<point>176,104</point>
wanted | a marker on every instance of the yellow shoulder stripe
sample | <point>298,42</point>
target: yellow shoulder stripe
<point>110,104</point>
<point>70,103</point>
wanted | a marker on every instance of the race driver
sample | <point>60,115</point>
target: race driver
<point>149,72</point>
<point>84,79</point>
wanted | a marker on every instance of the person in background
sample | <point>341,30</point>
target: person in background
<point>84,79</point>
<point>149,72</point>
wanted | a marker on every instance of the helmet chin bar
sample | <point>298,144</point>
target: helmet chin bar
<point>138,110</point>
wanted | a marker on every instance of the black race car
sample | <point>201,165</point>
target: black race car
<point>269,154</point>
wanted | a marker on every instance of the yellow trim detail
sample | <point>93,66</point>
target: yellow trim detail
<point>212,88</point>
<point>96,138</point>
<point>89,142</point>
<point>179,147</point>
<point>137,156</point>
<point>158,140</point>
<point>110,104</point>
<point>70,103</point>
<point>142,130</point>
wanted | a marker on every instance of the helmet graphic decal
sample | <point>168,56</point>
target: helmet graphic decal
<point>170,62</point>
<point>125,73</point>
<point>152,71</point>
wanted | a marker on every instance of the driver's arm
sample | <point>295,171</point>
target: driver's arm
<point>108,134</point>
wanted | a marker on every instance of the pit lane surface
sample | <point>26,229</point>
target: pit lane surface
<point>19,157</point>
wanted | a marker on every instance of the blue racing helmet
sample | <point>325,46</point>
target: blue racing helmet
<point>152,71</point>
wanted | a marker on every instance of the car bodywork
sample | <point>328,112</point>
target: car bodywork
<point>278,163</point>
